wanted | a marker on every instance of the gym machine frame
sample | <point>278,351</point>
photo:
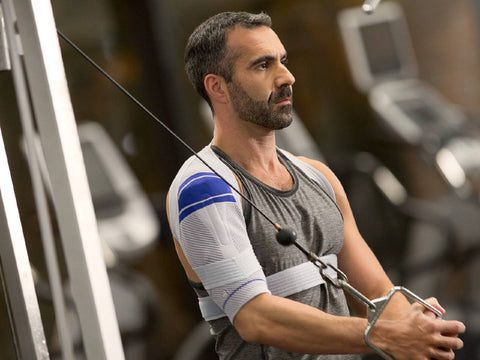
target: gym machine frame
<point>29,48</point>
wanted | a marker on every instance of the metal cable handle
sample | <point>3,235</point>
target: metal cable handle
<point>375,307</point>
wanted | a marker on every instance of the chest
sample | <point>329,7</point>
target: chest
<point>281,180</point>
<point>307,209</point>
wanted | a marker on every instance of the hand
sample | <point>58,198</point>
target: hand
<point>419,335</point>
<point>434,302</point>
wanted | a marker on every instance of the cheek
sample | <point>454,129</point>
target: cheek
<point>257,89</point>
<point>260,93</point>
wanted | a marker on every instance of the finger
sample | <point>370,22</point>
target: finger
<point>449,343</point>
<point>417,306</point>
<point>442,354</point>
<point>430,314</point>
<point>451,327</point>
<point>434,302</point>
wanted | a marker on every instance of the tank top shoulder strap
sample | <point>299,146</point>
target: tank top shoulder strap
<point>310,172</point>
<point>246,207</point>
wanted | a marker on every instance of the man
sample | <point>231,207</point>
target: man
<point>263,300</point>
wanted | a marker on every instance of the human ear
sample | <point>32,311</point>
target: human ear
<point>215,87</point>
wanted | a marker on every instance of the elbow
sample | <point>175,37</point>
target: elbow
<point>248,329</point>
<point>250,324</point>
<point>249,335</point>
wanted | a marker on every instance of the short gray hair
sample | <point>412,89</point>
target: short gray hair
<point>206,51</point>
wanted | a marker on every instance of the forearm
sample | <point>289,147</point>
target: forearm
<point>296,327</point>
<point>397,307</point>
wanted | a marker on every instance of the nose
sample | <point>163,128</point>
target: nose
<point>284,77</point>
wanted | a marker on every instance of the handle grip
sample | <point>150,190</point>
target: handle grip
<point>380,305</point>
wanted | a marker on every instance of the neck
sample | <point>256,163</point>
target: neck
<point>254,149</point>
<point>248,144</point>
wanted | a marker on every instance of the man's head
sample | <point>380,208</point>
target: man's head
<point>206,51</point>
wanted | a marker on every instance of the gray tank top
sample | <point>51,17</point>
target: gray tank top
<point>318,222</point>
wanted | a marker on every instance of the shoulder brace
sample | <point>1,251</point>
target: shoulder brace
<point>207,220</point>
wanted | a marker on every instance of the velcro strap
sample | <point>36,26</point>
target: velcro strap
<point>283,283</point>
<point>228,270</point>
<point>209,309</point>
<point>298,278</point>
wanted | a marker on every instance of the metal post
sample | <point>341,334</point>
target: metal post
<point>4,58</point>
<point>41,202</point>
<point>29,337</point>
<point>53,111</point>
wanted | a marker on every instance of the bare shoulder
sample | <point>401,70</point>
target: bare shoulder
<point>325,170</point>
<point>320,166</point>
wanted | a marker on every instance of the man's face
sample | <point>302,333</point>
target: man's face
<point>261,88</point>
<point>260,112</point>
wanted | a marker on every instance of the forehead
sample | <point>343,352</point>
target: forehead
<point>248,44</point>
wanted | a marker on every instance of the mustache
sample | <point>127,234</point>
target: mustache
<point>284,92</point>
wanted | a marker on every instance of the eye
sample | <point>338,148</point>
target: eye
<point>284,61</point>
<point>263,65</point>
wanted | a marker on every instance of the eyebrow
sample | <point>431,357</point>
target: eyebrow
<point>265,58</point>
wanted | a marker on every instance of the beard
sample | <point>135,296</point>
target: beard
<point>263,113</point>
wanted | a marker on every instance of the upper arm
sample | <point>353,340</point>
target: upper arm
<point>181,255</point>
<point>212,240</point>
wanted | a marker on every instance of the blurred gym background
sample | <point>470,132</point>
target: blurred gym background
<point>411,171</point>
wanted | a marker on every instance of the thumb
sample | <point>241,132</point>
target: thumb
<point>432,301</point>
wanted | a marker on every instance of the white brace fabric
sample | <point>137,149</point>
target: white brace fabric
<point>207,220</point>
<point>209,156</point>
<point>283,283</point>
<point>228,270</point>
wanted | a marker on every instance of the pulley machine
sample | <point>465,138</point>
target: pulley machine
<point>29,48</point>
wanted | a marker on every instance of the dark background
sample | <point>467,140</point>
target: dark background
<point>140,43</point>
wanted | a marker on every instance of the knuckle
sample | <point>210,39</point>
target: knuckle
<point>432,326</point>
